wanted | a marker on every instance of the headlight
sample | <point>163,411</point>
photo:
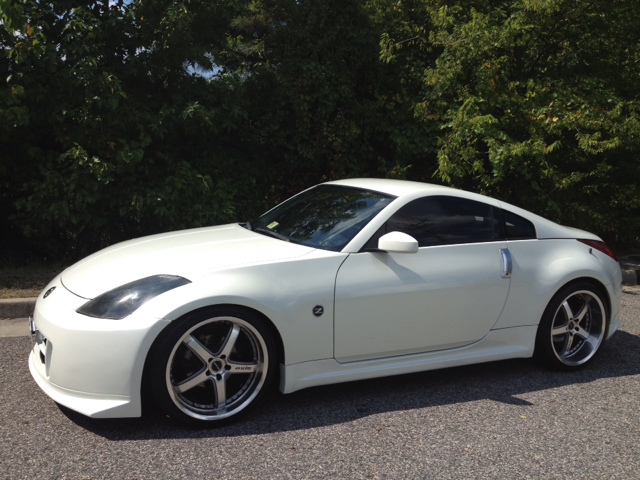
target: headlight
<point>126,299</point>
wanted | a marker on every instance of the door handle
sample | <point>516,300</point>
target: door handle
<point>505,263</point>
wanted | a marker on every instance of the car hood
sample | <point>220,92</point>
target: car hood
<point>185,253</point>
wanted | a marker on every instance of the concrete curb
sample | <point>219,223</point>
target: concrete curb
<point>630,277</point>
<point>630,266</point>
<point>17,307</point>
<point>14,327</point>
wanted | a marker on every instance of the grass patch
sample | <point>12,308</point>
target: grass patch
<point>25,282</point>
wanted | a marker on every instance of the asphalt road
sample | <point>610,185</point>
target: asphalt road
<point>509,419</point>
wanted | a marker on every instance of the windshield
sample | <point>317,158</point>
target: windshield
<point>326,216</point>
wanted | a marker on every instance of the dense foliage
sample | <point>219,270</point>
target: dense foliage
<point>537,103</point>
<point>118,120</point>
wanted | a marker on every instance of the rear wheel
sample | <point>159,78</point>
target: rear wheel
<point>213,365</point>
<point>573,327</point>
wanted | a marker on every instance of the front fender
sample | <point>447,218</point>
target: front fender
<point>284,292</point>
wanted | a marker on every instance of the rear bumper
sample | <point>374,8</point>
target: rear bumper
<point>613,327</point>
<point>615,294</point>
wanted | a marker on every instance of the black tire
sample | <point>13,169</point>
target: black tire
<point>212,365</point>
<point>573,327</point>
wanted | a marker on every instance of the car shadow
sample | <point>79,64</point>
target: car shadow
<point>316,407</point>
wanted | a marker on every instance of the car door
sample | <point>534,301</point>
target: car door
<point>448,294</point>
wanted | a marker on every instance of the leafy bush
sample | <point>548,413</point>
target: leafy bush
<point>537,103</point>
<point>123,120</point>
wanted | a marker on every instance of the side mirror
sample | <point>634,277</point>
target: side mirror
<point>398,242</point>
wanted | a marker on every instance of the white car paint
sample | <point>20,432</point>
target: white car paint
<point>542,267</point>
<point>398,304</point>
<point>184,253</point>
<point>497,345</point>
<point>95,366</point>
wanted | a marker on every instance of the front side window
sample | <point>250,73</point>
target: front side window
<point>326,216</point>
<point>443,220</point>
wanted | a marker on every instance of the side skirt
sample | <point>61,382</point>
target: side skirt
<point>516,342</point>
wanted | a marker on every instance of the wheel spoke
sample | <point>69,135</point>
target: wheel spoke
<point>567,310</point>
<point>196,347</point>
<point>230,341</point>
<point>221,391</point>
<point>583,311</point>
<point>192,381</point>
<point>582,333</point>
<point>560,330</point>
<point>242,367</point>
<point>592,341</point>
<point>567,345</point>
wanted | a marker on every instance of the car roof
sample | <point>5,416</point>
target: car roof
<point>411,190</point>
<point>394,187</point>
<point>403,188</point>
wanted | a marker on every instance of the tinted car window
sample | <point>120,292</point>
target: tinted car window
<point>326,216</point>
<point>517,228</point>
<point>443,220</point>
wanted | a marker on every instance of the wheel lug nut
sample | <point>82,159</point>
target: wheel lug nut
<point>223,357</point>
<point>227,367</point>
<point>218,377</point>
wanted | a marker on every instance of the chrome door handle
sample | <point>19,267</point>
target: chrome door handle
<point>505,263</point>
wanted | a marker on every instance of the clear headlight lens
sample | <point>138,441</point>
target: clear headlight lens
<point>126,299</point>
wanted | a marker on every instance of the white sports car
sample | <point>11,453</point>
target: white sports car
<point>347,280</point>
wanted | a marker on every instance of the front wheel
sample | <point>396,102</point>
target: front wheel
<point>573,327</point>
<point>212,365</point>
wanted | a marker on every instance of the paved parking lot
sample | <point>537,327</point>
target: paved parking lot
<point>508,419</point>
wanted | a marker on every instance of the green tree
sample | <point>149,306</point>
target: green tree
<point>537,104</point>
<point>121,120</point>
<point>322,105</point>
<point>106,131</point>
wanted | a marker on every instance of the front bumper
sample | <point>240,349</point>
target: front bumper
<point>90,365</point>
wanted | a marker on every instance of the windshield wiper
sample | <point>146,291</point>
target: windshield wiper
<point>272,234</point>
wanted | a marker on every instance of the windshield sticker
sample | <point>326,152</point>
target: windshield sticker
<point>272,225</point>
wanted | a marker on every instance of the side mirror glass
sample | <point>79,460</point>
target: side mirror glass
<point>398,242</point>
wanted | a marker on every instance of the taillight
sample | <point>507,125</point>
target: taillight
<point>601,246</point>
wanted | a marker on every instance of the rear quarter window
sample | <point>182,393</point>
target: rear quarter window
<point>517,228</point>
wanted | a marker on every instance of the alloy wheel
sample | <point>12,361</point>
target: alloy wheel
<point>217,368</point>
<point>578,327</point>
